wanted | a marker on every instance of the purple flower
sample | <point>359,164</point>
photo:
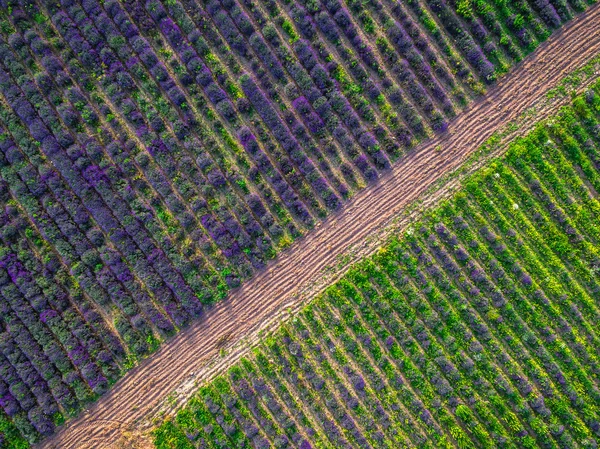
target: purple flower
<point>48,315</point>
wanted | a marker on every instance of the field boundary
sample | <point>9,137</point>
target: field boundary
<point>164,381</point>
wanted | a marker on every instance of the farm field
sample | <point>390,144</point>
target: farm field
<point>476,328</point>
<point>195,354</point>
<point>155,156</point>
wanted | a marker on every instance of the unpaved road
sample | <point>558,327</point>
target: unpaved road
<point>298,273</point>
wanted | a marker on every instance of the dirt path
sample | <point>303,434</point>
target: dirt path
<point>166,379</point>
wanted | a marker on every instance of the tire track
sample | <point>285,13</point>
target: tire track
<point>303,270</point>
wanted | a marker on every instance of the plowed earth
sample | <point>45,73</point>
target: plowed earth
<point>195,355</point>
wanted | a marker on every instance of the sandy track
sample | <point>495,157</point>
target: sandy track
<point>301,271</point>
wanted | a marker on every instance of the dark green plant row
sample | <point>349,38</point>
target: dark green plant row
<point>477,328</point>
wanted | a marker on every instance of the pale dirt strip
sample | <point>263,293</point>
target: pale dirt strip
<point>121,416</point>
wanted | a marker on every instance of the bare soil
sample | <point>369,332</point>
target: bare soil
<point>162,383</point>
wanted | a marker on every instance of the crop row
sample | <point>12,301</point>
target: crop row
<point>475,329</point>
<point>154,155</point>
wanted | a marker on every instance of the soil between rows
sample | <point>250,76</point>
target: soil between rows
<point>297,275</point>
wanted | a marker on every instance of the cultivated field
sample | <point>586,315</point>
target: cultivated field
<point>155,155</point>
<point>475,329</point>
<point>193,354</point>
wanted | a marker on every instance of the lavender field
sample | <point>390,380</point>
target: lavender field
<point>154,155</point>
<point>477,328</point>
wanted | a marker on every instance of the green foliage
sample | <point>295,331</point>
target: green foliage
<point>290,31</point>
<point>465,8</point>
<point>169,436</point>
<point>12,436</point>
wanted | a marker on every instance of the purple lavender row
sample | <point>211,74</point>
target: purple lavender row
<point>53,300</point>
<point>320,81</point>
<point>83,275</point>
<point>56,308</point>
<point>268,49</point>
<point>78,352</point>
<point>298,130</point>
<point>100,192</point>
<point>288,142</point>
<point>26,386</point>
<point>316,97</point>
<point>82,247</point>
<point>214,94</point>
<point>204,77</point>
<point>161,184</point>
<point>464,41</point>
<point>41,188</point>
<point>342,20</point>
<point>90,315</point>
<point>373,90</point>
<point>415,48</point>
<point>258,45</point>
<point>194,63</point>
<point>241,18</point>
